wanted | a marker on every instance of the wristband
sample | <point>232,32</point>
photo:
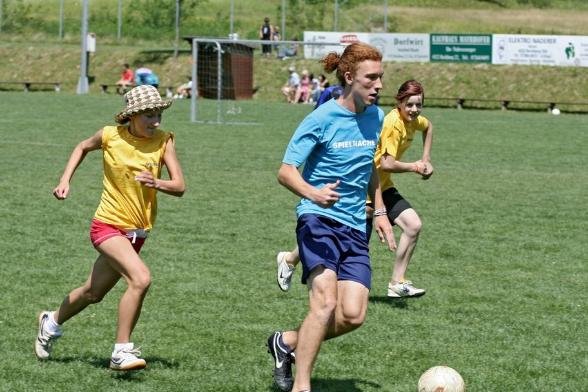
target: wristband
<point>380,212</point>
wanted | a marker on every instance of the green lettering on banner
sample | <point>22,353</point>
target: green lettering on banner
<point>461,48</point>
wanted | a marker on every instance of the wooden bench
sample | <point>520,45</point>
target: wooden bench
<point>505,104</point>
<point>169,91</point>
<point>104,88</point>
<point>27,84</point>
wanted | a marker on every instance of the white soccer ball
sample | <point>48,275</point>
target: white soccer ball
<point>555,112</point>
<point>441,379</point>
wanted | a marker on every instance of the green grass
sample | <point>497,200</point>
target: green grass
<point>502,254</point>
<point>154,20</point>
<point>35,53</point>
<point>496,82</point>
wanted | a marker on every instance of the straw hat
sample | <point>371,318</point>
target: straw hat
<point>139,100</point>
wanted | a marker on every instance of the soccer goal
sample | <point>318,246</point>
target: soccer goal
<point>222,75</point>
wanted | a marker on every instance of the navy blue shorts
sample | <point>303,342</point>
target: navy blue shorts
<point>334,245</point>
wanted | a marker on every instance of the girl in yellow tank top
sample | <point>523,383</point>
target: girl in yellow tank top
<point>133,155</point>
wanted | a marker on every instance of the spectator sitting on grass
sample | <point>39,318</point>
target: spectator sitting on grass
<point>184,90</point>
<point>127,79</point>
<point>288,51</point>
<point>303,91</point>
<point>291,87</point>
<point>315,89</point>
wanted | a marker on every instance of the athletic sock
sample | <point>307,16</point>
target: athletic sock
<point>121,346</point>
<point>283,346</point>
<point>52,327</point>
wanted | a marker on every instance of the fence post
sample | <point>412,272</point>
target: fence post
<point>283,33</point>
<point>60,19</point>
<point>232,18</point>
<point>177,28</point>
<point>385,16</point>
<point>194,96</point>
<point>336,15</point>
<point>119,20</point>
<point>219,81</point>
<point>83,81</point>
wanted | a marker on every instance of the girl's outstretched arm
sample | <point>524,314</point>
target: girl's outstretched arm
<point>77,156</point>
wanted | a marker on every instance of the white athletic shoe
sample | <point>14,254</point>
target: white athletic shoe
<point>285,271</point>
<point>45,339</point>
<point>404,290</point>
<point>127,359</point>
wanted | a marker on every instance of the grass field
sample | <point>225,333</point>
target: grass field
<point>502,254</point>
<point>144,20</point>
<point>34,52</point>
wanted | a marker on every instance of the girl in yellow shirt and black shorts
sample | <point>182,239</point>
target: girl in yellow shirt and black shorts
<point>399,130</point>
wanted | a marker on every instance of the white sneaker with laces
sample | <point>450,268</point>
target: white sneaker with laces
<point>285,271</point>
<point>45,339</point>
<point>404,290</point>
<point>127,359</point>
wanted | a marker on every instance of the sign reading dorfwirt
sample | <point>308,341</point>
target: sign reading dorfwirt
<point>461,48</point>
<point>394,47</point>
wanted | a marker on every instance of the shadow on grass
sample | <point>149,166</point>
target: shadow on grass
<point>338,385</point>
<point>399,303</point>
<point>103,363</point>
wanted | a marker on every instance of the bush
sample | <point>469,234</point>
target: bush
<point>15,15</point>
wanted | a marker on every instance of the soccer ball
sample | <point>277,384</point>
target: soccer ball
<point>555,111</point>
<point>441,379</point>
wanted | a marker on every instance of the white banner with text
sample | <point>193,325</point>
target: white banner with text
<point>553,50</point>
<point>394,46</point>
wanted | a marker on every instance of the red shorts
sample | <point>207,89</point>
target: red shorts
<point>100,232</point>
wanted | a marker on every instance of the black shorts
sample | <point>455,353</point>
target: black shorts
<point>394,203</point>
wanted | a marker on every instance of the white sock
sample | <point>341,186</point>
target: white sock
<point>52,327</point>
<point>121,346</point>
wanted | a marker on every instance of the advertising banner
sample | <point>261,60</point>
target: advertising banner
<point>319,51</point>
<point>394,47</point>
<point>553,50</point>
<point>401,47</point>
<point>461,48</point>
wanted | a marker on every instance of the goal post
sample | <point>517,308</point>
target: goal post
<point>222,74</point>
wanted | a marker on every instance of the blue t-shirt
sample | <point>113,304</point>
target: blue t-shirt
<point>334,144</point>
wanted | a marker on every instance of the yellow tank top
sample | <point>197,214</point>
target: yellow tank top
<point>395,139</point>
<point>126,203</point>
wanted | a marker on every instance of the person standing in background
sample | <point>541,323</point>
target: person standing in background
<point>266,33</point>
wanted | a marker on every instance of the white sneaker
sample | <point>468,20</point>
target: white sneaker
<point>285,271</point>
<point>403,290</point>
<point>45,339</point>
<point>127,359</point>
